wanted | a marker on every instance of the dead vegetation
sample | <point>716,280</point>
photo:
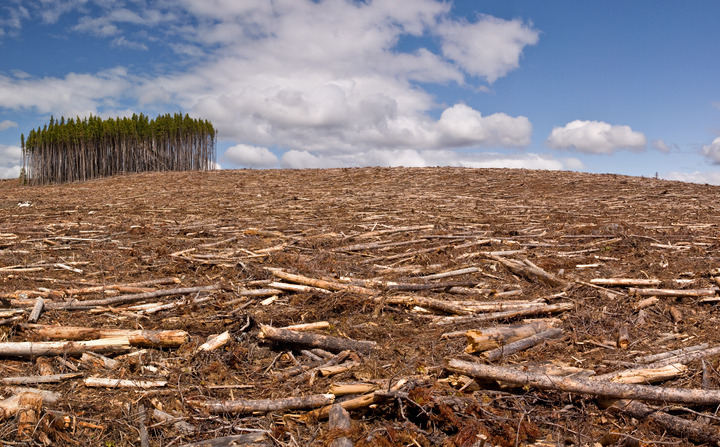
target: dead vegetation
<point>442,306</point>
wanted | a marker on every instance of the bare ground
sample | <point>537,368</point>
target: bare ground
<point>228,227</point>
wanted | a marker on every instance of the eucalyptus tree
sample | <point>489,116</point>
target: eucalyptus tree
<point>80,149</point>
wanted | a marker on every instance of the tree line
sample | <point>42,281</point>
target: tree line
<point>82,149</point>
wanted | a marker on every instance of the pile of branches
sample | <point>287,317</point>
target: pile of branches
<point>82,149</point>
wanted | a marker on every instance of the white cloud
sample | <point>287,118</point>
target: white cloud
<point>712,151</point>
<point>490,47</point>
<point>250,156</point>
<point>461,126</point>
<point>10,161</point>
<point>319,79</point>
<point>661,146</point>
<point>422,158</point>
<point>7,124</point>
<point>596,137</point>
<point>75,94</point>
<point>711,178</point>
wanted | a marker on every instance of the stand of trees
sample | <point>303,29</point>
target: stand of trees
<point>81,149</point>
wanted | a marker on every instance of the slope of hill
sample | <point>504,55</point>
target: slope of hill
<point>408,259</point>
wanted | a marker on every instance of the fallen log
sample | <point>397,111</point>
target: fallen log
<point>320,283</point>
<point>102,382</point>
<point>215,342</point>
<point>133,298</point>
<point>645,375</point>
<point>683,428</point>
<point>494,316</point>
<point>522,344</point>
<point>34,349</point>
<point>673,293</point>
<point>493,337</point>
<point>590,387</point>
<point>668,354</point>
<point>449,274</point>
<point>625,282</point>
<point>27,380</point>
<point>529,270</point>
<point>255,439</point>
<point>330,343</point>
<point>245,406</point>
<point>144,338</point>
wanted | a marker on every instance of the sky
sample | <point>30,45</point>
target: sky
<point>624,87</point>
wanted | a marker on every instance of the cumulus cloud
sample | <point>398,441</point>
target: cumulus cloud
<point>324,81</point>
<point>7,124</point>
<point>75,94</point>
<point>711,178</point>
<point>712,151</point>
<point>10,161</point>
<point>490,47</point>
<point>596,137</point>
<point>250,156</point>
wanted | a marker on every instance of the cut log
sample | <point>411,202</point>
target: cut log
<point>683,428</point>
<point>101,382</point>
<point>332,344</point>
<point>24,401</point>
<point>143,338</point>
<point>133,298</point>
<point>341,389</point>
<point>673,293</point>
<point>178,423</point>
<point>529,270</point>
<point>626,282</point>
<point>28,413</point>
<point>99,361</point>
<point>300,288</point>
<point>668,354</point>
<point>28,380</point>
<point>493,337</point>
<point>522,344</point>
<point>321,283</point>
<point>449,274</point>
<point>34,349</point>
<point>215,342</point>
<point>245,406</point>
<point>645,375</point>
<point>590,387</point>
<point>37,310</point>
<point>308,326</point>
<point>494,316</point>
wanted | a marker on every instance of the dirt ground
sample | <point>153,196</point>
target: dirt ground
<point>371,228</point>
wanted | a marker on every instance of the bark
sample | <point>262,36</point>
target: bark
<point>522,344</point>
<point>494,337</point>
<point>244,406</point>
<point>683,428</point>
<point>589,387</point>
<point>332,344</point>
<point>142,338</point>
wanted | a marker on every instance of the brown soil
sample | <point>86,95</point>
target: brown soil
<point>577,226</point>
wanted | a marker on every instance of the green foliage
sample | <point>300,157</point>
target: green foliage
<point>81,149</point>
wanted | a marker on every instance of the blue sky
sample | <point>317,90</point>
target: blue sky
<point>613,86</point>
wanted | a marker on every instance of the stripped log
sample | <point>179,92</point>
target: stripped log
<point>245,406</point>
<point>102,382</point>
<point>29,380</point>
<point>34,349</point>
<point>645,375</point>
<point>590,387</point>
<point>673,293</point>
<point>673,353</point>
<point>625,282</point>
<point>215,342</point>
<point>144,338</point>
<point>332,344</point>
<point>320,283</point>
